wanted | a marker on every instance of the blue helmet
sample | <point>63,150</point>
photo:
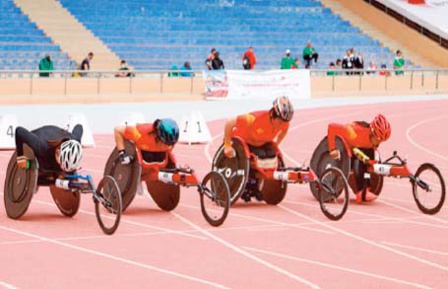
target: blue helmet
<point>167,131</point>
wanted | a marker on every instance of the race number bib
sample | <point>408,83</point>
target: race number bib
<point>381,169</point>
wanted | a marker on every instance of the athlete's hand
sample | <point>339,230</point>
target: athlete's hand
<point>229,152</point>
<point>335,154</point>
<point>125,159</point>
<point>22,162</point>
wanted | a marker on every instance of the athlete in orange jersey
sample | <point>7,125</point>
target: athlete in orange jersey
<point>362,135</point>
<point>260,128</point>
<point>152,139</point>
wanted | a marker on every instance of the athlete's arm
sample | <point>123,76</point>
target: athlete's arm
<point>23,136</point>
<point>119,137</point>
<point>228,128</point>
<point>282,134</point>
<point>335,129</point>
<point>77,132</point>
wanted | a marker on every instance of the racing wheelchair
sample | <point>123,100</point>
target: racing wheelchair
<point>21,184</point>
<point>163,180</point>
<point>265,177</point>
<point>428,185</point>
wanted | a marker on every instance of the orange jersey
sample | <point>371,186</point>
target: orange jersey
<point>144,137</point>
<point>356,134</point>
<point>257,128</point>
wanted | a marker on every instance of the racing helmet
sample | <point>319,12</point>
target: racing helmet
<point>380,127</point>
<point>70,155</point>
<point>167,131</point>
<point>283,108</point>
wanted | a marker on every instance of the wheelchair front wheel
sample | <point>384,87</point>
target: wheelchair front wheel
<point>108,205</point>
<point>215,198</point>
<point>333,193</point>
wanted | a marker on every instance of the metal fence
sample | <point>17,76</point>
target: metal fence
<point>417,78</point>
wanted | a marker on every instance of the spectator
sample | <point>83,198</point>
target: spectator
<point>124,70</point>
<point>338,66</point>
<point>384,71</point>
<point>174,71</point>
<point>287,61</point>
<point>184,70</point>
<point>297,62</point>
<point>347,61</point>
<point>209,60</point>
<point>331,72</point>
<point>85,64</point>
<point>359,63</point>
<point>309,53</point>
<point>372,67</point>
<point>249,59</point>
<point>217,63</point>
<point>45,64</point>
<point>398,63</point>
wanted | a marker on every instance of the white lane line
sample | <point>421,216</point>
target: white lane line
<point>416,248</point>
<point>128,222</point>
<point>411,140</point>
<point>7,285</point>
<point>374,217</point>
<point>327,265</point>
<point>414,212</point>
<point>112,257</point>
<point>270,221</point>
<point>247,254</point>
<point>370,242</point>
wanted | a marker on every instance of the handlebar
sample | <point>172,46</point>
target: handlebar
<point>177,170</point>
<point>395,156</point>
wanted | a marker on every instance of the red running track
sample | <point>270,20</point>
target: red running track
<point>384,244</point>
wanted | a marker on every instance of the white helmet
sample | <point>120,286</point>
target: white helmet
<point>70,155</point>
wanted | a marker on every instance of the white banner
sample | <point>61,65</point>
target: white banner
<point>243,84</point>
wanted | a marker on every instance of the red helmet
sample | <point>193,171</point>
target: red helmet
<point>283,108</point>
<point>381,127</point>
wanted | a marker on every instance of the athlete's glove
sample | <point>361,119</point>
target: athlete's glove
<point>335,154</point>
<point>125,159</point>
<point>360,155</point>
<point>229,151</point>
<point>23,162</point>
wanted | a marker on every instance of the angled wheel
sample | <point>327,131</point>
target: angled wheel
<point>126,176</point>
<point>273,191</point>
<point>67,202</point>
<point>235,170</point>
<point>108,205</point>
<point>321,160</point>
<point>333,193</point>
<point>20,185</point>
<point>215,198</point>
<point>428,189</point>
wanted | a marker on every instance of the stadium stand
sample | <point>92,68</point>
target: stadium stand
<point>155,35</point>
<point>22,44</point>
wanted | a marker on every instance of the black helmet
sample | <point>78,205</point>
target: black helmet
<point>167,131</point>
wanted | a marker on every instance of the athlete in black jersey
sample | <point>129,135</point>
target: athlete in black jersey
<point>56,149</point>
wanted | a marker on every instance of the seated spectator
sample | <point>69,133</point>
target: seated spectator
<point>399,63</point>
<point>85,64</point>
<point>124,70</point>
<point>331,72</point>
<point>174,71</point>
<point>249,59</point>
<point>287,61</point>
<point>184,70</point>
<point>208,61</point>
<point>297,62</point>
<point>384,71</point>
<point>372,68</point>
<point>309,53</point>
<point>46,64</point>
<point>217,63</point>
